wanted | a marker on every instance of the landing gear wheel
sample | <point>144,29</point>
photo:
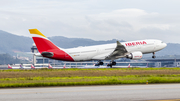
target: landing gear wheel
<point>99,63</point>
<point>153,55</point>
<point>111,64</point>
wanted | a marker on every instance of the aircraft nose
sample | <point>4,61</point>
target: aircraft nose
<point>164,45</point>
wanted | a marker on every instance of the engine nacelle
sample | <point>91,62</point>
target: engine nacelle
<point>134,55</point>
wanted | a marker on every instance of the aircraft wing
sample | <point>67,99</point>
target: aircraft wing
<point>120,51</point>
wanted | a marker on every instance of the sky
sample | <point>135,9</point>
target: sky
<point>94,19</point>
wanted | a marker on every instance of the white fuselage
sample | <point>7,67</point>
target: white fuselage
<point>100,52</point>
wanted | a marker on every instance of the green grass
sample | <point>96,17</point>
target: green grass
<point>71,77</point>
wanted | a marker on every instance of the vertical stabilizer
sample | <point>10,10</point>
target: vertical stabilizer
<point>21,67</point>
<point>64,65</point>
<point>32,66</point>
<point>49,66</point>
<point>129,66</point>
<point>47,48</point>
<point>9,66</point>
<point>42,42</point>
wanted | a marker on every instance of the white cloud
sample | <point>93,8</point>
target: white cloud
<point>99,20</point>
<point>126,23</point>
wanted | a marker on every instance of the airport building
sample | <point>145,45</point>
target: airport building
<point>119,62</point>
<point>165,62</point>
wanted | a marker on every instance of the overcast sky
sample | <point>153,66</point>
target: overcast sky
<point>94,19</point>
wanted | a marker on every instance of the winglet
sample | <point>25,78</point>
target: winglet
<point>118,43</point>
<point>37,32</point>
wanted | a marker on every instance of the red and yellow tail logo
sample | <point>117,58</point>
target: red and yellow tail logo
<point>47,48</point>
<point>42,42</point>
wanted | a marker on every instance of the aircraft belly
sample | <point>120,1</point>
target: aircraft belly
<point>147,49</point>
<point>101,56</point>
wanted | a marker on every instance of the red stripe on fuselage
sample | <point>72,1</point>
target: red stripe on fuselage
<point>45,45</point>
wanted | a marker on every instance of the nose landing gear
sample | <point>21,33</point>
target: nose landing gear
<point>153,55</point>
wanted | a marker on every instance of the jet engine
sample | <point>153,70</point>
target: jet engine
<point>134,55</point>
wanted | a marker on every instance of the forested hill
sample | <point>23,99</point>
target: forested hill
<point>10,43</point>
<point>8,59</point>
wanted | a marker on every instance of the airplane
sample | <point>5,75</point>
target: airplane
<point>131,50</point>
<point>49,66</point>
<point>32,66</point>
<point>129,65</point>
<point>21,67</point>
<point>15,67</point>
<point>24,67</point>
<point>64,66</point>
<point>9,66</point>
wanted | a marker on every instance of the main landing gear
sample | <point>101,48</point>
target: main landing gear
<point>99,63</point>
<point>111,64</point>
<point>153,55</point>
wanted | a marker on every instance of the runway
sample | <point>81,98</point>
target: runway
<point>94,93</point>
